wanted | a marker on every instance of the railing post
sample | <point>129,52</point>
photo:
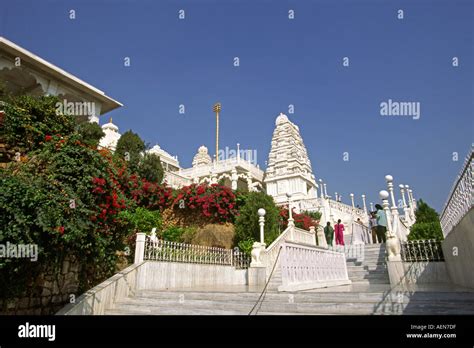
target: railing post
<point>393,243</point>
<point>140,247</point>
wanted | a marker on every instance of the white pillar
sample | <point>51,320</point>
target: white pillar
<point>389,180</point>
<point>413,199</point>
<point>140,247</point>
<point>371,206</point>
<point>321,188</point>
<point>325,191</point>
<point>335,195</point>
<point>393,243</point>
<point>352,200</point>
<point>234,178</point>
<point>291,221</point>
<point>261,221</point>
<point>365,206</point>
<point>313,232</point>
<point>238,152</point>
<point>383,196</point>
<point>405,207</point>
<point>249,182</point>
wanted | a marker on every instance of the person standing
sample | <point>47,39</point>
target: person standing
<point>329,233</point>
<point>339,232</point>
<point>373,226</point>
<point>381,224</point>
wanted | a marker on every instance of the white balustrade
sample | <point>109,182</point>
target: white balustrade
<point>461,197</point>
<point>156,249</point>
<point>294,234</point>
<point>302,264</point>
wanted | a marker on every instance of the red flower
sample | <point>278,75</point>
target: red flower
<point>48,138</point>
<point>60,229</point>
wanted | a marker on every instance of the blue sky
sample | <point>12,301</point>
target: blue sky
<point>282,62</point>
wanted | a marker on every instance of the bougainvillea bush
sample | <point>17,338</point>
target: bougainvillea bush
<point>199,205</point>
<point>64,198</point>
<point>303,220</point>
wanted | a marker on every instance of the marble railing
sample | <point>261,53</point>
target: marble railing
<point>345,208</point>
<point>294,234</point>
<point>461,198</point>
<point>312,266</point>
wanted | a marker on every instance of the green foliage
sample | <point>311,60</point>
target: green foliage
<point>427,225</point>
<point>90,133</point>
<point>246,224</point>
<point>174,233</point>
<point>424,213</point>
<point>426,230</point>
<point>315,215</point>
<point>130,146</point>
<point>28,120</point>
<point>150,168</point>
<point>246,246</point>
<point>141,220</point>
<point>50,201</point>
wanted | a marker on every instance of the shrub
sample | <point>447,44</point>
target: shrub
<point>64,199</point>
<point>141,220</point>
<point>246,246</point>
<point>130,147</point>
<point>90,133</point>
<point>173,234</point>
<point>150,168</point>
<point>246,224</point>
<point>28,120</point>
<point>202,204</point>
<point>215,235</point>
<point>427,225</point>
<point>304,220</point>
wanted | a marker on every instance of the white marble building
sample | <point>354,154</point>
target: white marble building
<point>23,72</point>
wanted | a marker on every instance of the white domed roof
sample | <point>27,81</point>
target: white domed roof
<point>282,118</point>
<point>110,126</point>
<point>202,157</point>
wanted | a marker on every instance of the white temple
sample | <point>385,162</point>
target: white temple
<point>289,168</point>
<point>289,171</point>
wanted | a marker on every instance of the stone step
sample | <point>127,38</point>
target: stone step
<point>211,307</point>
<point>328,295</point>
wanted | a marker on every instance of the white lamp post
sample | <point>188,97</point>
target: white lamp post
<point>291,222</point>
<point>261,222</point>
<point>393,245</point>
<point>405,207</point>
<point>394,209</point>
<point>352,199</point>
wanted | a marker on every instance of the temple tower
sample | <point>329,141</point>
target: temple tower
<point>289,168</point>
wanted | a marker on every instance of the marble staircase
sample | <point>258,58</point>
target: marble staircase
<point>369,293</point>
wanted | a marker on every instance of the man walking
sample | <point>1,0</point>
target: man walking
<point>381,224</point>
<point>373,226</point>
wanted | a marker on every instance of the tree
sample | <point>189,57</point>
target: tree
<point>427,225</point>
<point>130,147</point>
<point>246,224</point>
<point>90,133</point>
<point>150,168</point>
